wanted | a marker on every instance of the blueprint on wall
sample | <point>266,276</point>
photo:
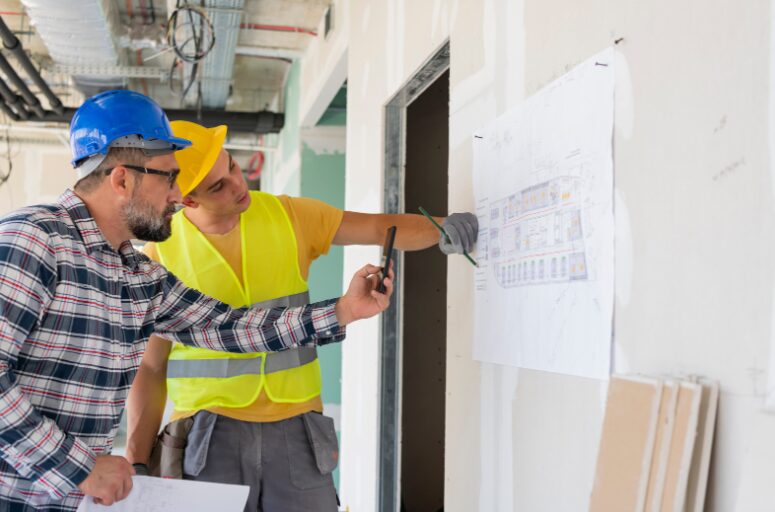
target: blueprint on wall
<point>543,180</point>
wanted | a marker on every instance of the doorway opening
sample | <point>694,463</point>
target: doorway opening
<point>413,378</point>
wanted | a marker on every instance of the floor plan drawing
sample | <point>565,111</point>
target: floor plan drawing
<point>543,179</point>
<point>536,235</point>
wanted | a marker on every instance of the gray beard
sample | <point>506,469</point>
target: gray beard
<point>145,223</point>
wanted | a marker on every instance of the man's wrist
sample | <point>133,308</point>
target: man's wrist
<point>140,469</point>
<point>342,311</point>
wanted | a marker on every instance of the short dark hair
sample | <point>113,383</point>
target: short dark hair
<point>115,156</point>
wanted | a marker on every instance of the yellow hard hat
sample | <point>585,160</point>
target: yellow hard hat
<point>197,160</point>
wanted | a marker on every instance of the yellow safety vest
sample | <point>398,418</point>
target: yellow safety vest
<point>199,378</point>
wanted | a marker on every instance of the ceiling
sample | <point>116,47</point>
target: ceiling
<point>265,46</point>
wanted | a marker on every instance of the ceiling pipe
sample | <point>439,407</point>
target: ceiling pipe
<point>12,44</point>
<point>7,111</point>
<point>272,53</point>
<point>249,122</point>
<point>63,134</point>
<point>278,28</point>
<point>30,99</point>
<point>12,99</point>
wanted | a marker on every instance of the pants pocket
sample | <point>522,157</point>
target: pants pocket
<point>198,442</point>
<point>313,450</point>
<point>321,432</point>
<point>167,454</point>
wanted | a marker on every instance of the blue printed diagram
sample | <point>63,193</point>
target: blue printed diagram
<point>536,236</point>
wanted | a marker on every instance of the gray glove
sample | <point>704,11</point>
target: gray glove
<point>462,230</point>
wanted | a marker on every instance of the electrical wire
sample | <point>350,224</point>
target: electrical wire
<point>197,28</point>
<point>255,166</point>
<point>203,38</point>
<point>4,177</point>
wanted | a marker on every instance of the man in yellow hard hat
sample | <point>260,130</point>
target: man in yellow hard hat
<point>252,419</point>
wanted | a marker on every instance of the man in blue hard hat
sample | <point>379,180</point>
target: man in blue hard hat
<point>77,305</point>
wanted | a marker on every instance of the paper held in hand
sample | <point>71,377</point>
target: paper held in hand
<point>151,494</point>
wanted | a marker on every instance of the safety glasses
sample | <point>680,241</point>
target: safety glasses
<point>170,175</point>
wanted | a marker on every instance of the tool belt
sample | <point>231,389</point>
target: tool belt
<point>166,459</point>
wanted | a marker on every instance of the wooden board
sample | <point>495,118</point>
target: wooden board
<point>681,447</point>
<point>703,445</point>
<point>626,444</point>
<point>664,435</point>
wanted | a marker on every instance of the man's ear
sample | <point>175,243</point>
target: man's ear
<point>189,202</point>
<point>120,183</point>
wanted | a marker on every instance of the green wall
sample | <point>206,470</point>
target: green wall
<point>322,177</point>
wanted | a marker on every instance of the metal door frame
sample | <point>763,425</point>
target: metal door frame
<point>389,460</point>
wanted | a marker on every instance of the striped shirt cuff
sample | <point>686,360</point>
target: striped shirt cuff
<point>65,477</point>
<point>326,325</point>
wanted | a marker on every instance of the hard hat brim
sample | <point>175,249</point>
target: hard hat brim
<point>178,143</point>
<point>219,136</point>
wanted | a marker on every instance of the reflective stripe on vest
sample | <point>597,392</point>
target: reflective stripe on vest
<point>224,368</point>
<point>271,277</point>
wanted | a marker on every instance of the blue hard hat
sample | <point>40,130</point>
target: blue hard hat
<point>118,113</point>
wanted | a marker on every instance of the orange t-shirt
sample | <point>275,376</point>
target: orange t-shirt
<point>314,223</point>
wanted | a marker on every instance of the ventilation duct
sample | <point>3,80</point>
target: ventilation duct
<point>78,32</point>
<point>216,69</point>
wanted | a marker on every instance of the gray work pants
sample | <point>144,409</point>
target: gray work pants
<point>287,464</point>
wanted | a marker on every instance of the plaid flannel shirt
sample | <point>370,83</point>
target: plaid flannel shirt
<point>75,317</point>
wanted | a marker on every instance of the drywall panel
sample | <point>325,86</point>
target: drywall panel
<point>558,430</point>
<point>694,290</point>
<point>493,455</point>
<point>756,492</point>
<point>703,445</point>
<point>661,453</point>
<point>627,441</point>
<point>681,447</point>
<point>380,59</point>
<point>688,175</point>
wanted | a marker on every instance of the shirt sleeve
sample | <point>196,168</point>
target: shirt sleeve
<point>192,318</point>
<point>318,222</point>
<point>30,442</point>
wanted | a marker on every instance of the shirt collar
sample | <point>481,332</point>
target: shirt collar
<point>129,255</point>
<point>85,224</point>
<point>90,232</point>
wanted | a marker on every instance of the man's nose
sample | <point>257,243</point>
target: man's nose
<point>175,195</point>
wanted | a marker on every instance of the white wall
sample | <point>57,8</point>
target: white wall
<point>324,67</point>
<point>377,66</point>
<point>40,173</point>
<point>695,240</point>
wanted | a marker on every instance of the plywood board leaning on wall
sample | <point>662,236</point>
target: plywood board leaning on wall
<point>698,475</point>
<point>664,435</point>
<point>626,444</point>
<point>681,447</point>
